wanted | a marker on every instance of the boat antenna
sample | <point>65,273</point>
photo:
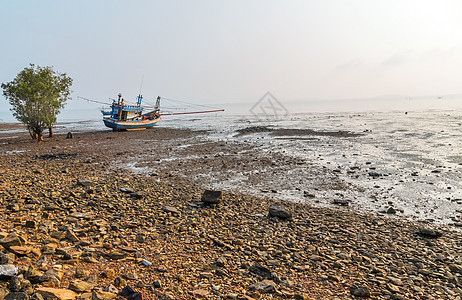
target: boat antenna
<point>141,86</point>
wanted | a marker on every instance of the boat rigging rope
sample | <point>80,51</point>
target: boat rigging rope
<point>189,103</point>
<point>169,110</point>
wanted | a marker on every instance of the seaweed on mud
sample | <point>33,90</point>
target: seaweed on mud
<point>54,156</point>
<point>253,129</point>
<point>294,132</point>
<point>311,132</point>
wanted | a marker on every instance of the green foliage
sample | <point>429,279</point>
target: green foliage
<point>36,95</point>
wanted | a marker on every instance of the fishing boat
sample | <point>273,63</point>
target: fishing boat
<point>122,116</point>
<point>131,117</point>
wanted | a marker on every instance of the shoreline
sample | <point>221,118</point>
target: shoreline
<point>215,252</point>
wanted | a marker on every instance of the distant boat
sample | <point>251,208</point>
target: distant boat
<point>131,117</point>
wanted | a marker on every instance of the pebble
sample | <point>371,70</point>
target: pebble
<point>146,262</point>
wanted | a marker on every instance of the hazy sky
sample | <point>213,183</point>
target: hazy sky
<point>234,51</point>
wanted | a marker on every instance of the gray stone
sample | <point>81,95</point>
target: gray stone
<point>8,270</point>
<point>275,210</point>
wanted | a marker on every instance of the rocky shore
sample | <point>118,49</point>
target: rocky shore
<point>77,223</point>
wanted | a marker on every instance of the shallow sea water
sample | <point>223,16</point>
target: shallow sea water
<point>410,161</point>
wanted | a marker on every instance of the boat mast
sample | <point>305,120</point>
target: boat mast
<point>138,102</point>
<point>157,107</point>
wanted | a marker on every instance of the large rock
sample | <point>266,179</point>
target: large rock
<point>429,233</point>
<point>60,294</point>
<point>275,210</point>
<point>212,197</point>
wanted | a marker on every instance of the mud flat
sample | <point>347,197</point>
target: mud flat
<point>117,216</point>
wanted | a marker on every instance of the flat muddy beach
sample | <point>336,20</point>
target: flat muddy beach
<point>122,215</point>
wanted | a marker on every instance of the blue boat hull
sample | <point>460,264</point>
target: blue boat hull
<point>129,125</point>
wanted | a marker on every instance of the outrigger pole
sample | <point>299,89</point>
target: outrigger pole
<point>94,101</point>
<point>193,112</point>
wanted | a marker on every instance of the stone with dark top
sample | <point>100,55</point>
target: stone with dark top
<point>275,210</point>
<point>212,197</point>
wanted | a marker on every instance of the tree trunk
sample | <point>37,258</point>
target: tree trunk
<point>50,131</point>
<point>38,134</point>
